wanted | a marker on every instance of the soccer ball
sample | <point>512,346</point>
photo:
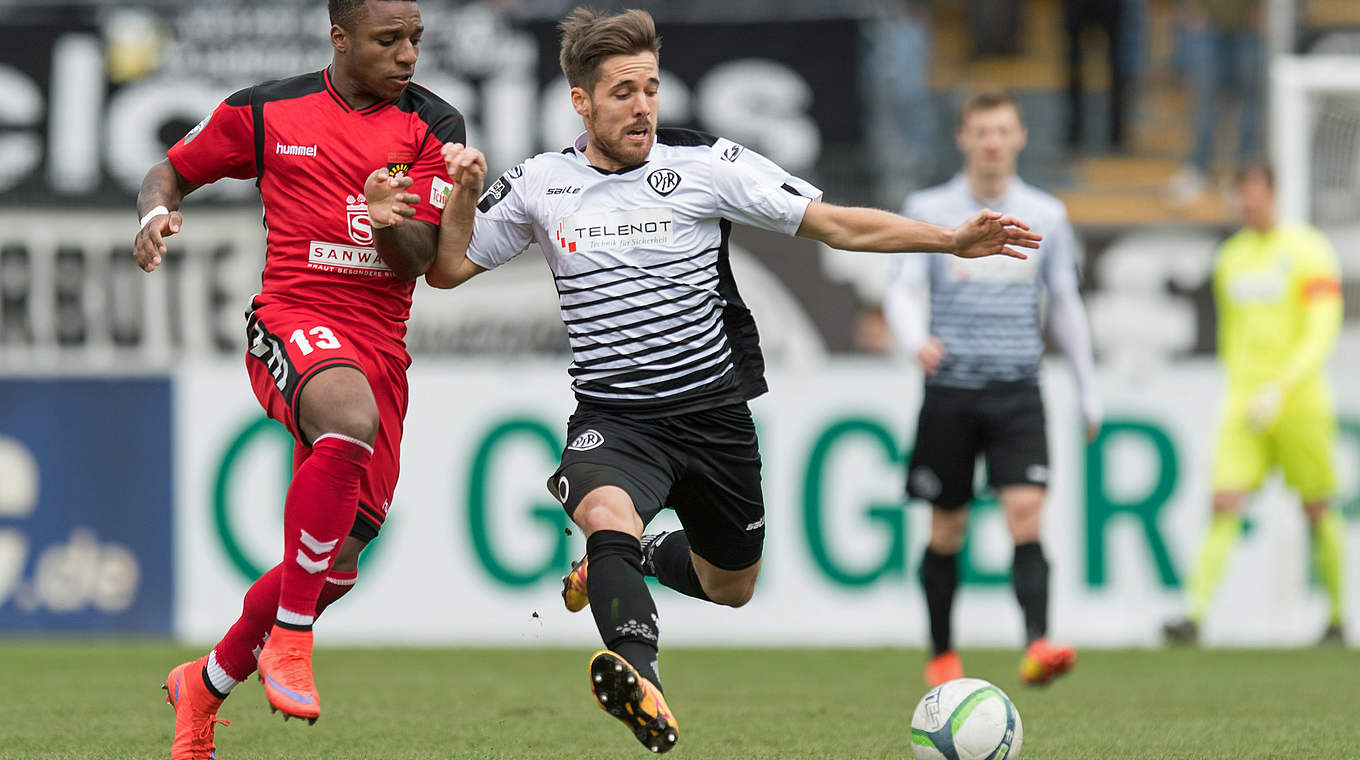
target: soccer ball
<point>966,719</point>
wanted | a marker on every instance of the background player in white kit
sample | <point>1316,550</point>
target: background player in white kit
<point>634,223</point>
<point>981,353</point>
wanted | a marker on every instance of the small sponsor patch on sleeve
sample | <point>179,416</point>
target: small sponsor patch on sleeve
<point>498,190</point>
<point>439,193</point>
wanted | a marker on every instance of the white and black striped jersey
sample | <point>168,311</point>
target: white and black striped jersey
<point>639,256</point>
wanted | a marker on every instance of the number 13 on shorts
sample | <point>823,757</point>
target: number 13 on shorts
<point>325,339</point>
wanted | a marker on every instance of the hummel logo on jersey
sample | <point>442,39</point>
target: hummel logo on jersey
<point>590,439</point>
<point>563,190</point>
<point>616,230</point>
<point>294,150</point>
<point>194,132</point>
<point>360,225</point>
<point>730,155</point>
<point>664,181</point>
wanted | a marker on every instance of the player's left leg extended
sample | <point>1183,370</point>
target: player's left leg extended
<point>1042,662</point>
<point>624,676</point>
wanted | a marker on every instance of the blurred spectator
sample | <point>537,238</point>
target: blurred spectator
<point>1222,50</point>
<point>1108,16</point>
<point>899,113</point>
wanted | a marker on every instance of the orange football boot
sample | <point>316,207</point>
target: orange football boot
<point>285,666</point>
<point>620,691</point>
<point>574,586</point>
<point>945,666</point>
<point>1043,662</point>
<point>195,711</point>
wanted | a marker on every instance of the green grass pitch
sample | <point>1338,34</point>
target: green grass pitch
<point>102,700</point>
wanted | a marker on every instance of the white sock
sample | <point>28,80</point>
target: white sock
<point>293,618</point>
<point>218,677</point>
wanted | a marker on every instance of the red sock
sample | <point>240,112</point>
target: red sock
<point>317,515</point>
<point>236,652</point>
<point>338,583</point>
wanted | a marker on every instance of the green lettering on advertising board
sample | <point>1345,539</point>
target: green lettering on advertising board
<point>481,491</point>
<point>1101,508</point>
<point>893,516</point>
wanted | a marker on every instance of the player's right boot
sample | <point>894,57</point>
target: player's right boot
<point>943,667</point>
<point>574,586</point>
<point>285,667</point>
<point>1334,636</point>
<point>574,583</point>
<point>1044,662</point>
<point>620,691</point>
<point>1184,632</point>
<point>195,711</point>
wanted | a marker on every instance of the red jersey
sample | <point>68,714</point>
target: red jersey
<point>310,154</point>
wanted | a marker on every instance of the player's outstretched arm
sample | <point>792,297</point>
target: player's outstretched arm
<point>987,233</point>
<point>407,245</point>
<point>467,168</point>
<point>163,189</point>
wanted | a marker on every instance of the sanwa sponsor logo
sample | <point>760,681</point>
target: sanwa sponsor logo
<point>346,258</point>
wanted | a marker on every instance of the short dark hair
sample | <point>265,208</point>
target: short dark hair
<point>1261,169</point>
<point>347,13</point>
<point>589,36</point>
<point>986,100</point>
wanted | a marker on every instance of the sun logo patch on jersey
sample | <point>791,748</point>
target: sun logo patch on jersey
<point>664,181</point>
<point>400,163</point>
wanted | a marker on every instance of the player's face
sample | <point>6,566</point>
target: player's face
<point>990,140</point>
<point>379,56</point>
<point>620,113</point>
<point>1257,199</point>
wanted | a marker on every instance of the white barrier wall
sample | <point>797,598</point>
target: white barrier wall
<point>475,546</point>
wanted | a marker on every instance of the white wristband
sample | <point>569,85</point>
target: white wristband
<point>153,213</point>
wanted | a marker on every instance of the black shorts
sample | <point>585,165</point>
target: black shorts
<point>705,465</point>
<point>1003,422</point>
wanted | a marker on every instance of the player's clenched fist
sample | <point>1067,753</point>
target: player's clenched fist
<point>388,203</point>
<point>149,245</point>
<point>466,166</point>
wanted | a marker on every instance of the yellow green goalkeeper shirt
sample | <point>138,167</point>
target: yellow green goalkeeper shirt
<point>1279,306</point>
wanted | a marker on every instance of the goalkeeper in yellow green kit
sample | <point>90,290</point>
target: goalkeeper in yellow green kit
<point>1278,295</point>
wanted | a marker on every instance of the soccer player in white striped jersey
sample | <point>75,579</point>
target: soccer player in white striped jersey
<point>634,222</point>
<point>981,352</point>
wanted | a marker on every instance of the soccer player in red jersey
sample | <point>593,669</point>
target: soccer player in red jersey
<point>326,353</point>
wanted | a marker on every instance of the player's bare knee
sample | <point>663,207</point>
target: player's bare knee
<point>1315,511</point>
<point>948,527</point>
<point>607,508</point>
<point>1228,502</point>
<point>734,594</point>
<point>347,560</point>
<point>339,401</point>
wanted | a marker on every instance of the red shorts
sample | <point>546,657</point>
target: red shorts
<point>288,346</point>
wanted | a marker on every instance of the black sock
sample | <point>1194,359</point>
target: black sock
<point>1029,575</point>
<point>940,579</point>
<point>669,560</point>
<point>619,600</point>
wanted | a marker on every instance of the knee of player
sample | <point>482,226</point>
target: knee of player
<point>357,422</point>
<point>735,592</point>
<point>347,560</point>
